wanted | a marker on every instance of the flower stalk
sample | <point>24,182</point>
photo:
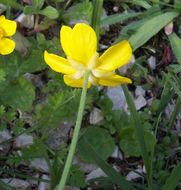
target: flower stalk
<point>75,137</point>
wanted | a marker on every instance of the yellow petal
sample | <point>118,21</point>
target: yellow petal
<point>114,80</point>
<point>58,64</point>
<point>78,83</point>
<point>8,26</point>
<point>116,56</point>
<point>6,46</point>
<point>79,43</point>
<point>66,39</point>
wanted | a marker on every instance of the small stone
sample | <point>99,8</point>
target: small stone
<point>59,135</point>
<point>127,66</point>
<point>178,123</point>
<point>23,140</point>
<point>168,28</point>
<point>139,91</point>
<point>2,8</point>
<point>140,102</point>
<point>152,62</point>
<point>115,8</point>
<point>71,188</point>
<point>150,101</point>
<point>117,154</point>
<point>44,185</point>
<point>22,43</point>
<point>169,109</point>
<point>95,116</point>
<point>95,174</point>
<point>28,1</point>
<point>4,148</point>
<point>40,164</point>
<point>117,97</point>
<point>134,175</point>
<point>26,20</point>
<point>34,183</point>
<point>85,167</point>
<point>18,184</point>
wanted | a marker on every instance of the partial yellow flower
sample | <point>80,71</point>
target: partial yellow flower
<point>80,45</point>
<point>7,29</point>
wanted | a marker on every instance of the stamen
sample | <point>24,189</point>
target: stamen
<point>93,80</point>
<point>93,61</point>
<point>75,64</point>
<point>101,73</point>
<point>77,75</point>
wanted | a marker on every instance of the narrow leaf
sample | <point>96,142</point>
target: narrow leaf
<point>139,132</point>
<point>173,179</point>
<point>12,4</point>
<point>118,18</point>
<point>175,42</point>
<point>96,16</point>
<point>150,28</point>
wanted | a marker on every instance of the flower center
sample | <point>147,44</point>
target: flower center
<point>81,68</point>
<point>95,73</point>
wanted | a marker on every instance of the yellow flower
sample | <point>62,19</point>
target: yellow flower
<point>7,29</point>
<point>79,45</point>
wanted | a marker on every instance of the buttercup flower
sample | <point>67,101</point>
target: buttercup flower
<point>79,45</point>
<point>7,29</point>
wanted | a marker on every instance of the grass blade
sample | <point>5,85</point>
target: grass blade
<point>173,179</point>
<point>119,17</point>
<point>175,42</point>
<point>96,16</point>
<point>139,133</point>
<point>150,28</point>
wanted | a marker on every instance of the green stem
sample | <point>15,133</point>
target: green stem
<point>139,134</point>
<point>75,137</point>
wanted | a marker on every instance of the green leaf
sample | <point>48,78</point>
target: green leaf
<point>173,179</point>
<point>100,139</point>
<point>58,109</point>
<point>177,5</point>
<point>2,110</point>
<point>50,12</point>
<point>2,75</point>
<point>18,94</point>
<point>32,62</point>
<point>129,143</point>
<point>141,3</point>
<point>150,28</point>
<point>12,4</point>
<point>119,17</point>
<point>29,10</point>
<point>38,4</point>
<point>77,178</point>
<point>88,149</point>
<point>175,42</point>
<point>78,11</point>
<point>36,150</point>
